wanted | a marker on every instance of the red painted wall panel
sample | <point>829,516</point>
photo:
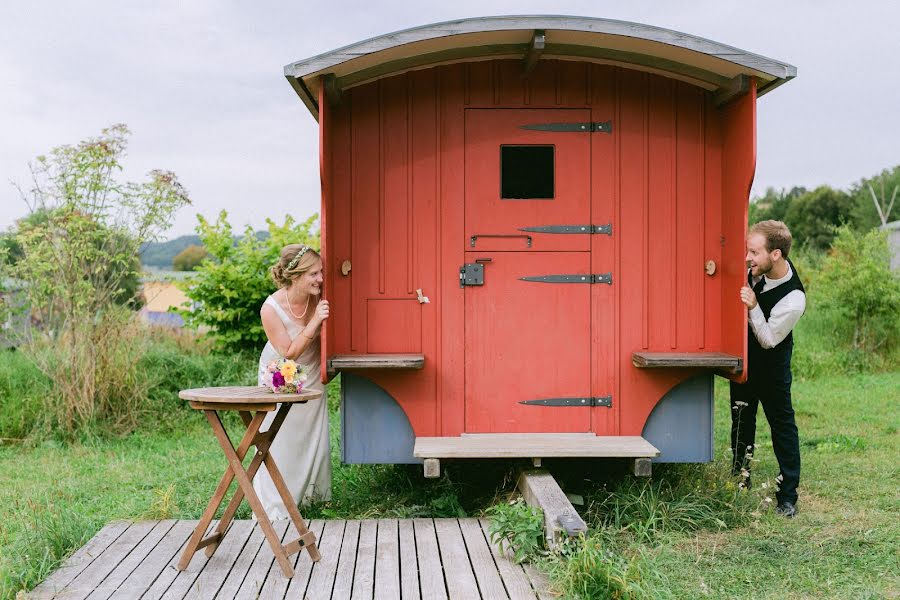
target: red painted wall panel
<point>396,208</point>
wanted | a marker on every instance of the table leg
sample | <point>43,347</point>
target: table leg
<point>247,486</point>
<point>196,542</point>
<point>307,538</point>
<point>262,446</point>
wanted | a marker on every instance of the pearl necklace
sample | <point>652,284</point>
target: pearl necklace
<point>291,308</point>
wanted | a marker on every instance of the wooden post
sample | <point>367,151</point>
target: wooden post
<point>642,467</point>
<point>540,489</point>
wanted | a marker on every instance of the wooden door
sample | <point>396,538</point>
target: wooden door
<point>526,340</point>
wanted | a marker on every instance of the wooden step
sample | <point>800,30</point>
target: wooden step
<point>674,360</point>
<point>534,445</point>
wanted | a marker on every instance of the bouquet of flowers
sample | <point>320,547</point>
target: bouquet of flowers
<point>284,376</point>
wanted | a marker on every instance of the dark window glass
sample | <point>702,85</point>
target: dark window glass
<point>526,172</point>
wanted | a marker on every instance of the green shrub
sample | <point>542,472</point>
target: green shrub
<point>231,285</point>
<point>22,392</point>
<point>517,527</point>
<point>859,288</point>
<point>594,568</point>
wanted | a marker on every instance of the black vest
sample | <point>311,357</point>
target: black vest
<point>767,301</point>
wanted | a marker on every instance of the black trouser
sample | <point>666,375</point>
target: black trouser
<point>770,384</point>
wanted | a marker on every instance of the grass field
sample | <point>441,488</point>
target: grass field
<point>680,542</point>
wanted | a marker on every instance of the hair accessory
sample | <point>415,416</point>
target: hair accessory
<point>303,250</point>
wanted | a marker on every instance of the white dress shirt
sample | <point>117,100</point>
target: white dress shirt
<point>783,317</point>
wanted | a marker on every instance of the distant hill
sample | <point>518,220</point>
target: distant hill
<point>160,254</point>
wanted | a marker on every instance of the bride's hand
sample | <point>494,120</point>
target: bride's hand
<point>322,310</point>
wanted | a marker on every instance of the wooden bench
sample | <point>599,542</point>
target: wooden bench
<point>352,362</point>
<point>678,360</point>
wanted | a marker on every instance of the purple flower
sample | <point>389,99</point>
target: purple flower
<point>277,379</point>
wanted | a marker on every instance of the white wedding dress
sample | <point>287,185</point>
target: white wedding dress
<point>301,450</point>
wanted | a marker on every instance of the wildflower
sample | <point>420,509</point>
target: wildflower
<point>768,500</point>
<point>764,485</point>
<point>780,478</point>
<point>740,403</point>
<point>745,473</point>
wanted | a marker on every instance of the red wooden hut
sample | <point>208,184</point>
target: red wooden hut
<point>533,232</point>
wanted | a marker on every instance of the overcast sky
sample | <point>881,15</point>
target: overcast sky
<point>200,84</point>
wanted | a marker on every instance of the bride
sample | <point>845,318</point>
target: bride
<point>292,318</point>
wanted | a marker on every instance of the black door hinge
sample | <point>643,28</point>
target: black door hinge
<point>589,278</point>
<point>592,127</point>
<point>601,229</point>
<point>572,402</point>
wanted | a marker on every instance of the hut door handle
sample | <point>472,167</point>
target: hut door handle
<point>499,235</point>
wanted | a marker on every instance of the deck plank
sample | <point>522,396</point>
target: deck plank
<point>387,560</point>
<point>538,581</point>
<point>93,576</point>
<point>170,573</point>
<point>409,564</point>
<point>322,580</point>
<point>238,572</point>
<point>460,579</point>
<point>304,566</point>
<point>262,562</point>
<point>364,578</point>
<point>220,564</point>
<point>514,579</point>
<point>489,583</point>
<point>134,560</point>
<point>79,561</point>
<point>431,573</point>
<point>343,581</point>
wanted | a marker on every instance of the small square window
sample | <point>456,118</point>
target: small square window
<point>526,172</point>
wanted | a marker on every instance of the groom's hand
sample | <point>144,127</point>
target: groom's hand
<point>322,310</point>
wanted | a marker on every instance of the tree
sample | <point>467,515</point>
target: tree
<point>884,185</point>
<point>773,204</point>
<point>813,216</point>
<point>857,283</point>
<point>231,285</point>
<point>189,258</point>
<point>77,258</point>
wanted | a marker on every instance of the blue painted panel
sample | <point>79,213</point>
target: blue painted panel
<point>374,429</point>
<point>681,425</point>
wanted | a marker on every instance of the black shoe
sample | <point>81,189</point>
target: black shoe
<point>786,509</point>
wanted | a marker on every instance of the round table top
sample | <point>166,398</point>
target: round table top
<point>245,394</point>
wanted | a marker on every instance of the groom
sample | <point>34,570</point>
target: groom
<point>775,301</point>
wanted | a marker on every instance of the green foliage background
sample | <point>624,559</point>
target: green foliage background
<point>232,284</point>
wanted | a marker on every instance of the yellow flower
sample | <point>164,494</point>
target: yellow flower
<point>289,369</point>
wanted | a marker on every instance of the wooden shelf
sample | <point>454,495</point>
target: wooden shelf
<point>533,445</point>
<point>347,362</point>
<point>680,360</point>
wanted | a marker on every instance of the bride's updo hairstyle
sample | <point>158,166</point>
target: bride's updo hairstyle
<point>295,260</point>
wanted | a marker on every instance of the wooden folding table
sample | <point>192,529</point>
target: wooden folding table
<point>253,403</point>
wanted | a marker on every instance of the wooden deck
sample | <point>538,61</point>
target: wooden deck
<point>380,559</point>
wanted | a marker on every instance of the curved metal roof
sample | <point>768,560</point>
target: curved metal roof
<point>710,65</point>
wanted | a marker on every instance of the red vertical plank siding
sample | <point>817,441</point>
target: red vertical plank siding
<point>689,221</point>
<point>541,83</point>
<point>712,213</point>
<point>325,197</point>
<point>479,83</point>
<point>366,199</point>
<point>738,168</point>
<point>451,204</point>
<point>604,209</point>
<point>340,212</point>
<point>395,246</point>
<point>661,270</point>
<point>672,178</point>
